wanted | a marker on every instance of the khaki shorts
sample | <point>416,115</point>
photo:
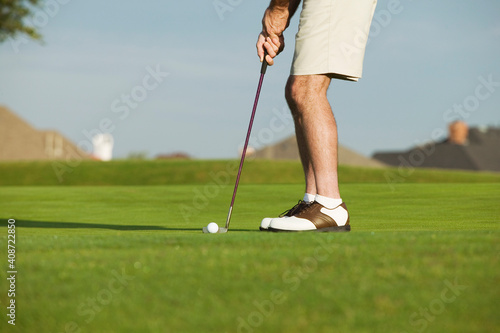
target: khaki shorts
<point>332,38</point>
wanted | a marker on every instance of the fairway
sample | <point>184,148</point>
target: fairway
<point>420,258</point>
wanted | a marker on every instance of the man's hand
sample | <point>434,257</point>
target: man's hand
<point>274,22</point>
<point>276,19</point>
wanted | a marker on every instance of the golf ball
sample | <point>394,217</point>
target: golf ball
<point>212,227</point>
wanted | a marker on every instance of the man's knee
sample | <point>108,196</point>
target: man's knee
<point>295,90</point>
<point>301,89</point>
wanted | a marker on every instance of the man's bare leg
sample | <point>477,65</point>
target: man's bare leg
<point>301,142</point>
<point>317,139</point>
<point>316,132</point>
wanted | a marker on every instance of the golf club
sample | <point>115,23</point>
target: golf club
<point>262,73</point>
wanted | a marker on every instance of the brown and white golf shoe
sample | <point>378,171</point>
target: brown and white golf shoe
<point>266,221</point>
<point>314,217</point>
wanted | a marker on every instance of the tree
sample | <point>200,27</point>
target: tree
<point>13,15</point>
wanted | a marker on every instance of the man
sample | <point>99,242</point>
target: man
<point>330,44</point>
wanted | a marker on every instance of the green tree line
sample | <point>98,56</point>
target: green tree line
<point>14,15</point>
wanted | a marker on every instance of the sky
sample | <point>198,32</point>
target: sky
<point>180,76</point>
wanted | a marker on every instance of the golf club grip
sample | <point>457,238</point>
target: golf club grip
<point>264,64</point>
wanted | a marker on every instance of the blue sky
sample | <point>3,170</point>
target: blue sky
<point>427,62</point>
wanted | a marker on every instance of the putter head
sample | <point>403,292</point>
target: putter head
<point>221,230</point>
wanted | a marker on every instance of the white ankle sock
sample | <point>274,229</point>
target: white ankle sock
<point>329,203</point>
<point>309,197</point>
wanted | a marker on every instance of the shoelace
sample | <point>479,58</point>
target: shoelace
<point>292,211</point>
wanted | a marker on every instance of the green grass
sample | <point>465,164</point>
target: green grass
<point>167,172</point>
<point>420,258</point>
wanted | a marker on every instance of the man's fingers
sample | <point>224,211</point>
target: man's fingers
<point>270,50</point>
<point>270,54</point>
<point>272,45</point>
<point>275,41</point>
<point>260,46</point>
<point>269,60</point>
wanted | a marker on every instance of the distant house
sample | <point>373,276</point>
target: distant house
<point>466,149</point>
<point>173,156</point>
<point>20,142</point>
<point>288,150</point>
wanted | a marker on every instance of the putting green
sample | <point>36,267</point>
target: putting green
<point>421,257</point>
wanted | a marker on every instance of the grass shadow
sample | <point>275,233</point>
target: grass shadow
<point>81,225</point>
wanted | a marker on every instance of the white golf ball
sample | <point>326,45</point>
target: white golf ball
<point>212,227</point>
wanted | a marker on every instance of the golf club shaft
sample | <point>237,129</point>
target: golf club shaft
<point>262,73</point>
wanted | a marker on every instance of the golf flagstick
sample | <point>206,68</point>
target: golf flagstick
<point>262,73</point>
